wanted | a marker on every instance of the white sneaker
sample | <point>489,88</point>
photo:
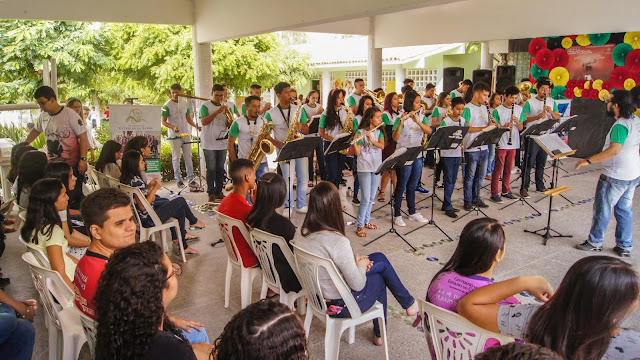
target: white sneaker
<point>418,217</point>
<point>303,210</point>
<point>399,222</point>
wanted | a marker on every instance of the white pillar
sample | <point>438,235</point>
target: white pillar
<point>400,76</point>
<point>202,67</point>
<point>326,86</point>
<point>54,76</point>
<point>486,61</point>
<point>374,59</point>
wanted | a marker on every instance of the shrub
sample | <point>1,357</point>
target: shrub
<point>167,166</point>
<point>102,133</point>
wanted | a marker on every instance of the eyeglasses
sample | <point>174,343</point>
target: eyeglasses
<point>42,103</point>
<point>177,270</point>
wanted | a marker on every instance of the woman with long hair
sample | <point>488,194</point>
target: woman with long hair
<point>264,216</point>
<point>313,108</point>
<point>580,321</point>
<point>43,226</point>
<point>331,124</point>
<point>392,110</point>
<point>365,103</point>
<point>440,111</point>
<point>263,330</point>
<point>135,289</point>
<point>110,155</point>
<point>16,153</point>
<point>369,277</point>
<point>140,144</point>
<point>30,170</point>
<point>408,131</point>
<point>132,166</point>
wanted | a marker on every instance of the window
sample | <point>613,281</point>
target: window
<point>388,76</point>
<point>351,76</point>
<point>422,77</point>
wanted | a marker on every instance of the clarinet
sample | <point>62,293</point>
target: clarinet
<point>462,161</point>
<point>510,142</point>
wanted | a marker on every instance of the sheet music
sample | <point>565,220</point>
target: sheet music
<point>552,144</point>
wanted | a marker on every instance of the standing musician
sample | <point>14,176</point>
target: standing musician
<point>429,98</point>
<point>256,90</point>
<point>365,103</point>
<point>408,130</point>
<point>451,158</point>
<point>507,115</point>
<point>409,83</point>
<point>247,129</point>
<point>309,110</point>
<point>392,110</point>
<point>537,110</point>
<point>354,99</point>
<point>437,116</point>
<point>281,116</point>
<point>230,104</point>
<point>214,141</point>
<point>462,89</point>
<point>332,123</point>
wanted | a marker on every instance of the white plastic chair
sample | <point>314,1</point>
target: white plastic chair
<point>309,266</point>
<point>92,179</point>
<point>452,336</point>
<point>263,243</point>
<point>159,227</point>
<point>38,254</point>
<point>247,275</point>
<point>90,328</point>
<point>22,213</point>
<point>63,321</point>
<point>103,180</point>
<point>113,182</point>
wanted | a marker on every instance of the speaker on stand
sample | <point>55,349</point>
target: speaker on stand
<point>451,78</point>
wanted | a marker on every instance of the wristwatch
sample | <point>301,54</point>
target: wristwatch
<point>83,158</point>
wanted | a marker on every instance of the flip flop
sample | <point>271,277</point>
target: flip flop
<point>192,227</point>
<point>370,226</point>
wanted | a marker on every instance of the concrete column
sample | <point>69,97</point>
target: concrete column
<point>486,61</point>
<point>326,86</point>
<point>54,75</point>
<point>202,68</point>
<point>400,76</point>
<point>374,59</point>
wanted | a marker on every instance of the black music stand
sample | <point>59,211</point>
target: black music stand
<point>485,138</point>
<point>340,142</point>
<point>533,130</point>
<point>295,149</point>
<point>389,131</point>
<point>445,138</point>
<point>400,158</point>
<point>427,148</point>
<point>313,130</point>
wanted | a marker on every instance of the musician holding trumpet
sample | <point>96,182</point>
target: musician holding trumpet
<point>256,90</point>
<point>511,116</point>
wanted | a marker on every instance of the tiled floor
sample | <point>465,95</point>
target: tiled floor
<point>201,293</point>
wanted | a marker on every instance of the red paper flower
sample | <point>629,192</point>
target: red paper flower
<point>636,77</point>
<point>536,45</point>
<point>569,93</point>
<point>594,93</point>
<point>618,76</point>
<point>573,37</point>
<point>580,83</point>
<point>562,57</point>
<point>632,62</point>
<point>545,59</point>
<point>571,84</point>
<point>607,85</point>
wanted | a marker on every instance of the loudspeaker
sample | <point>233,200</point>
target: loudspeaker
<point>505,77</point>
<point>590,133</point>
<point>451,77</point>
<point>484,75</point>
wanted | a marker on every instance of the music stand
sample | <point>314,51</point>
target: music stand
<point>400,158</point>
<point>340,142</point>
<point>295,149</point>
<point>313,130</point>
<point>427,148</point>
<point>485,138</point>
<point>445,138</point>
<point>533,130</point>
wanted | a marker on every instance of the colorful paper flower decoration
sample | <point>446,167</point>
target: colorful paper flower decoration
<point>537,73</point>
<point>536,45</point>
<point>602,94</point>
<point>629,84</point>
<point>597,84</point>
<point>633,38</point>
<point>618,76</point>
<point>586,94</point>
<point>567,42</point>
<point>593,93</point>
<point>569,94</point>
<point>632,61</point>
<point>571,84</point>
<point>620,53</point>
<point>587,84</point>
<point>577,92</point>
<point>561,57</point>
<point>607,85</point>
<point>580,83</point>
<point>583,40</point>
<point>545,59</point>
<point>599,39</point>
<point>558,92</point>
<point>637,112</point>
<point>554,43</point>
<point>559,76</point>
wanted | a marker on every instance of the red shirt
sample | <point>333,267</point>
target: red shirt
<point>237,207</point>
<point>85,281</point>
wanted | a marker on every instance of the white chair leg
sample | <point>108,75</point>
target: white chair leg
<point>383,335</point>
<point>351,336</point>
<point>265,288</point>
<point>245,287</point>
<point>302,307</point>
<point>163,236</point>
<point>54,343</point>
<point>184,259</point>
<point>332,337</point>
<point>227,283</point>
<point>307,320</point>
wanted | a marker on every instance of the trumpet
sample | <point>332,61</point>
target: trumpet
<point>363,135</point>
<point>378,97</point>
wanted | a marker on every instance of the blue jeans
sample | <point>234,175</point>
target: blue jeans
<point>408,179</point>
<point>381,276</point>
<point>300,167</point>
<point>492,158</point>
<point>215,170</point>
<point>17,336</point>
<point>176,146</point>
<point>476,171</point>
<point>356,181</point>
<point>617,195</point>
<point>176,208</point>
<point>450,165</point>
<point>335,164</point>
<point>369,182</point>
<point>195,336</point>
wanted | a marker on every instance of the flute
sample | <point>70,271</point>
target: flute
<point>363,135</point>
<point>510,142</point>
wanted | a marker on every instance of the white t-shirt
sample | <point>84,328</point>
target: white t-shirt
<point>214,130</point>
<point>176,113</point>
<point>411,133</point>
<point>61,131</point>
<point>455,93</point>
<point>280,122</point>
<point>354,99</point>
<point>438,114</point>
<point>624,166</point>
<point>429,101</point>
<point>503,116</point>
<point>457,152</point>
<point>370,156</point>
<point>333,132</point>
<point>247,131</point>
<point>533,107</point>
<point>475,116</point>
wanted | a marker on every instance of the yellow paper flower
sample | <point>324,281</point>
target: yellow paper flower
<point>567,42</point>
<point>637,113</point>
<point>633,38</point>
<point>604,93</point>
<point>587,84</point>
<point>629,84</point>
<point>577,92</point>
<point>583,40</point>
<point>597,84</point>
<point>559,76</point>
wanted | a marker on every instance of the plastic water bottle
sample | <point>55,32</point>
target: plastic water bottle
<point>349,192</point>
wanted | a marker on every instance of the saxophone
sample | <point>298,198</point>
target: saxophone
<point>348,126</point>
<point>292,133</point>
<point>261,146</point>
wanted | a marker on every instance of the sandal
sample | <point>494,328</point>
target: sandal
<point>360,232</point>
<point>194,227</point>
<point>370,226</point>
<point>191,251</point>
<point>381,197</point>
<point>9,222</point>
<point>8,229</point>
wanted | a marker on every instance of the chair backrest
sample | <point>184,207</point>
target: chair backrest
<point>308,266</point>
<point>226,225</point>
<point>113,182</point>
<point>103,180</point>
<point>453,336</point>
<point>38,254</point>
<point>135,193</point>
<point>263,243</point>
<point>55,295</point>
<point>90,328</point>
<point>92,182</point>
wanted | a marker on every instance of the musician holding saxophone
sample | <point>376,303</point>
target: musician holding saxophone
<point>286,125</point>
<point>507,115</point>
<point>334,122</point>
<point>256,90</point>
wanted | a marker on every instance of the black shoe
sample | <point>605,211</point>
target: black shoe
<point>585,246</point>
<point>496,199</point>
<point>468,206</point>
<point>525,194</point>
<point>454,209</point>
<point>355,201</point>
<point>451,213</point>
<point>343,182</point>
<point>4,282</point>
<point>180,183</point>
<point>440,186</point>
<point>482,204</point>
<point>541,191</point>
<point>621,251</point>
<point>509,195</point>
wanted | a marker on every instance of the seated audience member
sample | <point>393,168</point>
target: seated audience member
<point>110,155</point>
<point>263,330</point>
<point>235,204</point>
<point>518,351</point>
<point>17,333</point>
<point>140,144</point>
<point>264,216</point>
<point>108,217</point>
<point>369,277</point>
<point>132,166</point>
<point>135,289</point>
<point>16,153</point>
<point>480,248</point>
<point>580,321</point>
<point>43,226</point>
<point>30,169</point>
